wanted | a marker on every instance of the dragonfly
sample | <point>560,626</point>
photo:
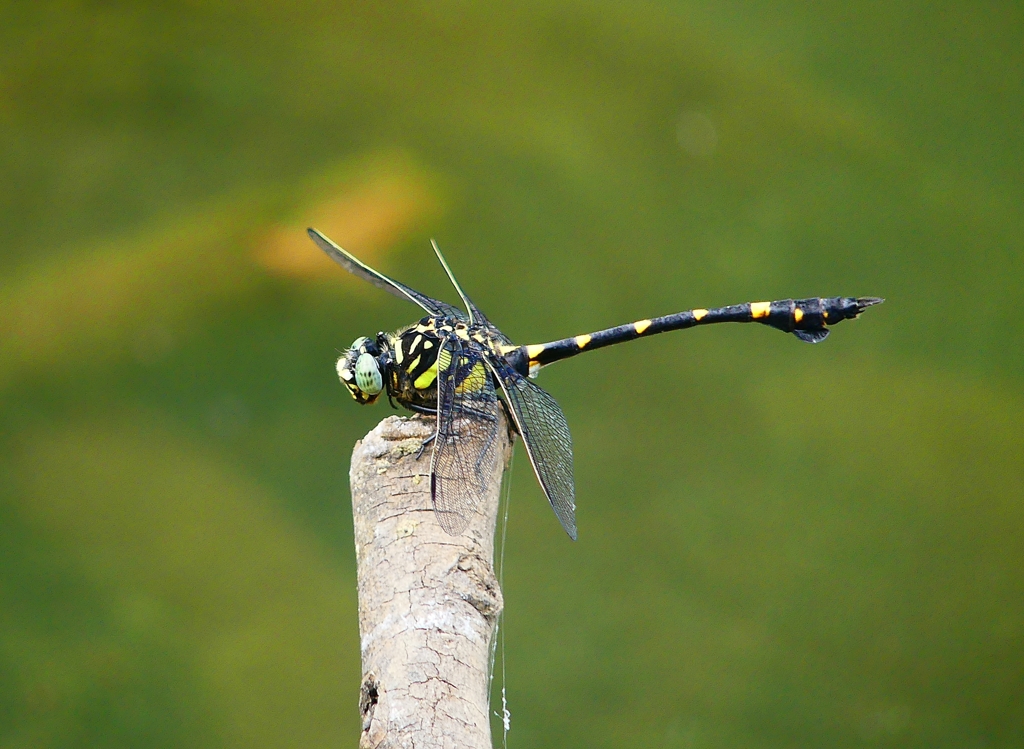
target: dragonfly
<point>454,362</point>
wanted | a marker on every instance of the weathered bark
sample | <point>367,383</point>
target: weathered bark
<point>428,602</point>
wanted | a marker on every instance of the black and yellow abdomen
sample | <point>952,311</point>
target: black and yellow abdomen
<point>805,318</point>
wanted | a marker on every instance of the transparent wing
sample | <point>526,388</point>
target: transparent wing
<point>475,315</point>
<point>545,433</point>
<point>466,444</point>
<point>365,272</point>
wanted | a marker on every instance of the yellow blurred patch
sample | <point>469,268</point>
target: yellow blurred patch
<point>382,202</point>
<point>134,295</point>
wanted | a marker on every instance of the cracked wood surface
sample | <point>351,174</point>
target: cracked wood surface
<point>428,602</point>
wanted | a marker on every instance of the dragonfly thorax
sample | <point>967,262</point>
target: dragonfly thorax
<point>413,373</point>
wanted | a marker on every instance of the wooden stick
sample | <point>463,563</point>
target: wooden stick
<point>428,602</point>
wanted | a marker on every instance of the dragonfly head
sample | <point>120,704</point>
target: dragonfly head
<point>362,369</point>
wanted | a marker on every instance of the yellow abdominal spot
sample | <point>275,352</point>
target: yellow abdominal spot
<point>759,309</point>
<point>582,341</point>
<point>532,352</point>
<point>699,314</point>
<point>641,325</point>
<point>798,315</point>
<point>506,348</point>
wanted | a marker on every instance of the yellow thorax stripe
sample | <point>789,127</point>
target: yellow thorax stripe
<point>475,380</point>
<point>423,381</point>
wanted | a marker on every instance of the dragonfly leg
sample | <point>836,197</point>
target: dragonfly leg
<point>420,409</point>
<point>423,446</point>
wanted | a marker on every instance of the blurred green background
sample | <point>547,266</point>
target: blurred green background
<point>781,545</point>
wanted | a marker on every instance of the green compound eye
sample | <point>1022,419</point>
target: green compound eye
<point>368,377</point>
